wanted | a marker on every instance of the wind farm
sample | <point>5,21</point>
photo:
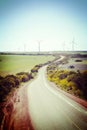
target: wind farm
<point>43,65</point>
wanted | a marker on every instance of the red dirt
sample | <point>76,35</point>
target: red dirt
<point>76,99</point>
<point>16,112</point>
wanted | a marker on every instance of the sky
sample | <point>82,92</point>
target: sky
<point>55,24</point>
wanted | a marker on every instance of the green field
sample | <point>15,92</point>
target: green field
<point>12,64</point>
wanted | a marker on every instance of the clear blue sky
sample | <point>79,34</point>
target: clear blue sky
<point>52,22</point>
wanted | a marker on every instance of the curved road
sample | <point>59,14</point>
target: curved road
<point>52,110</point>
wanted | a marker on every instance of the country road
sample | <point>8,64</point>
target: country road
<point>51,110</point>
<point>37,105</point>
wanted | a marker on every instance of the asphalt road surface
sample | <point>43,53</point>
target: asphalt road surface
<point>51,109</point>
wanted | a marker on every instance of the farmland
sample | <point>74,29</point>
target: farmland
<point>12,64</point>
<point>17,69</point>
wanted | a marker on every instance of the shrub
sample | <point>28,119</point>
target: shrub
<point>3,91</point>
<point>71,86</point>
<point>34,70</point>
<point>78,60</point>
<point>12,80</point>
<point>1,78</point>
<point>24,76</point>
<point>71,77</point>
<point>9,83</point>
<point>74,82</point>
<point>63,83</point>
<point>62,76</point>
<point>15,78</point>
<point>71,67</point>
<point>71,72</point>
<point>30,76</point>
<point>78,93</point>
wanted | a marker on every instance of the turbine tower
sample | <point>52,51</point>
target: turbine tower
<point>64,46</point>
<point>73,44</point>
<point>24,47</point>
<point>39,46</point>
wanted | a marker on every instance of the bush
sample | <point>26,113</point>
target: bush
<point>72,86</point>
<point>35,69</point>
<point>31,76</point>
<point>7,84</point>
<point>69,80</point>
<point>64,84</point>
<point>13,78</point>
<point>71,72</point>
<point>71,66</point>
<point>78,60</point>
<point>4,90</point>
<point>78,93</point>
<point>62,76</point>
<point>24,76</point>
<point>1,78</point>
<point>71,77</point>
<point>11,81</point>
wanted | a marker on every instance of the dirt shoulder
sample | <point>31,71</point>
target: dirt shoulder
<point>76,99</point>
<point>16,113</point>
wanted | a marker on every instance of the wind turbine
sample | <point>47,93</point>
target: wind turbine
<point>64,46</point>
<point>39,46</point>
<point>24,47</point>
<point>73,44</point>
